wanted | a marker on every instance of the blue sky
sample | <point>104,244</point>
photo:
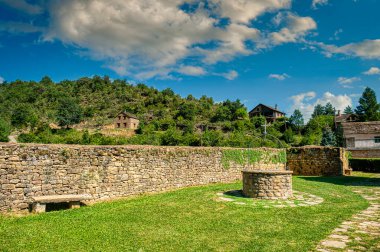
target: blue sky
<point>291,53</point>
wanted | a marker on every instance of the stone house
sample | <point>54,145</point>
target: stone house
<point>343,118</point>
<point>270,113</point>
<point>362,138</point>
<point>126,120</point>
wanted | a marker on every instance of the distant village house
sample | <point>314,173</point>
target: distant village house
<point>126,120</point>
<point>362,139</point>
<point>270,113</point>
<point>344,118</point>
<point>361,134</point>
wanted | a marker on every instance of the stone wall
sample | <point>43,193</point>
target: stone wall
<point>317,161</point>
<point>365,153</point>
<point>107,172</point>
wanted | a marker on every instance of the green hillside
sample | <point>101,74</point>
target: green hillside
<point>166,118</point>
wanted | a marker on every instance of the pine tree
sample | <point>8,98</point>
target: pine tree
<point>348,110</point>
<point>329,109</point>
<point>318,110</point>
<point>368,110</point>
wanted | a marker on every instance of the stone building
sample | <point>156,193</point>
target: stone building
<point>270,113</point>
<point>362,138</point>
<point>126,120</point>
<point>343,118</point>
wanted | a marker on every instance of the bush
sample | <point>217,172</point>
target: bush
<point>365,164</point>
<point>5,130</point>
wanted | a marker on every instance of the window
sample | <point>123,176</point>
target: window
<point>125,117</point>
<point>377,139</point>
<point>118,125</point>
<point>125,125</point>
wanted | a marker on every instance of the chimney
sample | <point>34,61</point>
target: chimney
<point>275,106</point>
<point>339,113</point>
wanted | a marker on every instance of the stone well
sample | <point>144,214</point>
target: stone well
<point>262,184</point>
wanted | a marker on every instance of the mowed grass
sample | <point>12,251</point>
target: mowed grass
<point>187,220</point>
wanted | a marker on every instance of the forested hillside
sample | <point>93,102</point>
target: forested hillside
<point>166,118</point>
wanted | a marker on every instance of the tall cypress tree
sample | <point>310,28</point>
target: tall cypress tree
<point>368,110</point>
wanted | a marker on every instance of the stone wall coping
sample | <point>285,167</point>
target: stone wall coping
<point>315,147</point>
<point>127,147</point>
<point>269,172</point>
<point>364,149</point>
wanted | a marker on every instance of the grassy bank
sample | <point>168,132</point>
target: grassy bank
<point>188,220</point>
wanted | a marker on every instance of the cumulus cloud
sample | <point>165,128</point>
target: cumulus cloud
<point>306,102</point>
<point>372,71</point>
<point>280,77</point>
<point>243,11</point>
<point>151,38</point>
<point>192,70</point>
<point>231,75</point>
<point>317,3</point>
<point>297,27</point>
<point>23,6</point>
<point>367,49</point>
<point>1,80</point>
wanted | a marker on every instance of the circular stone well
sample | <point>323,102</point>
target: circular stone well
<point>263,184</point>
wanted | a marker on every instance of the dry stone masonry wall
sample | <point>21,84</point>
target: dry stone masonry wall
<point>107,172</point>
<point>317,161</point>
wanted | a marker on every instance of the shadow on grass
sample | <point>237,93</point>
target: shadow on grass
<point>235,193</point>
<point>346,180</point>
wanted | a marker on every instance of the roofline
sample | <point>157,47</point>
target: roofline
<point>267,107</point>
<point>128,114</point>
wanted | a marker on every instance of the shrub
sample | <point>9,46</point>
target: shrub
<point>5,130</point>
<point>365,164</point>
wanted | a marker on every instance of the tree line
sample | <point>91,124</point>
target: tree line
<point>165,118</point>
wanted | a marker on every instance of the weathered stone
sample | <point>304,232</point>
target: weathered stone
<point>117,171</point>
<point>267,184</point>
<point>317,161</point>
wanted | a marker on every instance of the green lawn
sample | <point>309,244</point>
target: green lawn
<point>188,220</point>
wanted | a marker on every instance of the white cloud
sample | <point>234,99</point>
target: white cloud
<point>280,77</point>
<point>24,6</point>
<point>297,27</point>
<point>143,38</point>
<point>372,71</point>
<point>192,70</point>
<point>243,11</point>
<point>306,102</point>
<point>347,81</point>
<point>315,3</point>
<point>2,80</point>
<point>152,38</point>
<point>367,49</point>
<point>231,75</point>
